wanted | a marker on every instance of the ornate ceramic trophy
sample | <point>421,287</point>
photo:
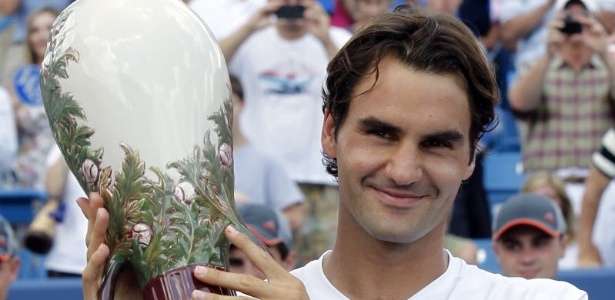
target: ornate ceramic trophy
<point>138,97</point>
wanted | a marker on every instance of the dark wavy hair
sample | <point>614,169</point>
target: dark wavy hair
<point>432,43</point>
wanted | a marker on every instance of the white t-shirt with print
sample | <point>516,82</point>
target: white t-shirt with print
<point>282,82</point>
<point>459,281</point>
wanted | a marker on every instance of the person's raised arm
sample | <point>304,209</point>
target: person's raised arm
<point>260,19</point>
<point>526,92</point>
<point>594,187</point>
<point>320,25</point>
<point>518,27</point>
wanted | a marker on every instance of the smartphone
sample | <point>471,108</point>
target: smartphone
<point>571,26</point>
<point>290,12</point>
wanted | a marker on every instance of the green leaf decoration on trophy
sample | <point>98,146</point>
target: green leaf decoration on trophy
<point>142,114</point>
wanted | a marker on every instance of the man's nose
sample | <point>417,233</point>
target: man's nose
<point>404,166</point>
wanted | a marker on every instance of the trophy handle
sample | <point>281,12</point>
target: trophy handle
<point>107,290</point>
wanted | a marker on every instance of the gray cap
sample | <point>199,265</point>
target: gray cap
<point>268,225</point>
<point>529,209</point>
<point>8,243</point>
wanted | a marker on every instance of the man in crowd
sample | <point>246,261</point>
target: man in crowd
<point>9,262</point>
<point>273,230</point>
<point>529,236</point>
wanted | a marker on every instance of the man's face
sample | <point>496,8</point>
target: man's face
<point>293,24</point>
<point>240,263</point>
<point>528,252</point>
<point>576,12</point>
<point>402,153</point>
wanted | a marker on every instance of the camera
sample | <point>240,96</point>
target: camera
<point>290,12</point>
<point>571,26</point>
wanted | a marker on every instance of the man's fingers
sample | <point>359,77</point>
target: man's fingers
<point>99,230</point>
<point>92,274</point>
<point>247,284</point>
<point>261,258</point>
<point>94,203</point>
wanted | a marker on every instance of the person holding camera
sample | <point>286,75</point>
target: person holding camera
<point>567,97</point>
<point>280,56</point>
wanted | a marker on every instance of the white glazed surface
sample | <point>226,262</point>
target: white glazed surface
<point>149,74</point>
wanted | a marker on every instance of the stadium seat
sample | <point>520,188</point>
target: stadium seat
<point>502,176</point>
<point>32,289</point>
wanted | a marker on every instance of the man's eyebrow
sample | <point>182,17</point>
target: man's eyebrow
<point>452,136</point>
<point>373,123</point>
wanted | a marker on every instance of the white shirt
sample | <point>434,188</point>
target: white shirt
<point>282,82</point>
<point>459,281</point>
<point>8,132</point>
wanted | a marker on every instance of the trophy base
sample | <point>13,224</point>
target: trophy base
<point>179,284</point>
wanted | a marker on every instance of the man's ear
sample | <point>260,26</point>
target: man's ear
<point>291,261</point>
<point>563,243</point>
<point>327,137</point>
<point>470,168</point>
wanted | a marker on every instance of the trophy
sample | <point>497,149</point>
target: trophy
<point>139,101</point>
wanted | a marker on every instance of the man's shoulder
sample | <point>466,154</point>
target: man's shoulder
<point>496,286</point>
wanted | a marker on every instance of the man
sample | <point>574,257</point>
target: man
<point>406,101</point>
<point>529,236</point>
<point>9,262</point>
<point>568,97</point>
<point>259,178</point>
<point>281,67</point>
<point>273,230</point>
<point>596,218</point>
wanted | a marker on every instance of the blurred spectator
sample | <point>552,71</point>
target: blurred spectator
<point>524,28</point>
<point>9,262</point>
<point>461,247</point>
<point>342,16</point>
<point>360,12</point>
<point>567,97</point>
<point>66,257</point>
<point>21,12</point>
<point>282,68</point>
<point>529,236</point>
<point>223,17</point>
<point>8,139</point>
<point>550,185</point>
<point>259,178</point>
<point>273,230</point>
<point>596,236</point>
<point>35,138</point>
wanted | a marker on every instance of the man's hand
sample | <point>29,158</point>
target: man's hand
<point>262,16</point>
<point>318,21</point>
<point>555,38</point>
<point>594,34</point>
<point>98,252</point>
<point>280,284</point>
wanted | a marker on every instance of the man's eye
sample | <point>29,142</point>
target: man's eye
<point>235,262</point>
<point>437,144</point>
<point>380,133</point>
